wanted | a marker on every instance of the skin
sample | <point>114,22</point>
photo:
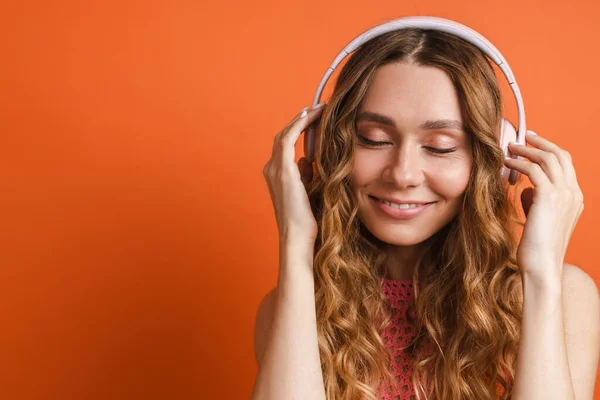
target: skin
<point>406,167</point>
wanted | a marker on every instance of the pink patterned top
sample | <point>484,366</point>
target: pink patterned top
<point>396,336</point>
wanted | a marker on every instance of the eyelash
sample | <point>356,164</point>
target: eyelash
<point>432,149</point>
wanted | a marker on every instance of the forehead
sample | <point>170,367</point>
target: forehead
<point>409,92</point>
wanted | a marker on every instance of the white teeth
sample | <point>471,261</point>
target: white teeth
<point>394,205</point>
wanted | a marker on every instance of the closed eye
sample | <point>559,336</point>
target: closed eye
<point>368,142</point>
<point>364,140</point>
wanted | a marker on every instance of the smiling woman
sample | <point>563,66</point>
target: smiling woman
<point>409,280</point>
<point>408,189</point>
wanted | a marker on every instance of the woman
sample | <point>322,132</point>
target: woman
<point>418,302</point>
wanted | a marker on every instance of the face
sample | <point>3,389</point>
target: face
<point>417,160</point>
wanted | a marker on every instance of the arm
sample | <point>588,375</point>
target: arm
<point>543,370</point>
<point>290,366</point>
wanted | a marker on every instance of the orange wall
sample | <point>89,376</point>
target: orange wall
<point>137,230</point>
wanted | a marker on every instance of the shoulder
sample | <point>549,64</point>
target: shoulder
<point>581,315</point>
<point>573,275</point>
<point>581,299</point>
<point>580,296</point>
<point>579,288</point>
<point>262,323</point>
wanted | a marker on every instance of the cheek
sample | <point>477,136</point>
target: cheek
<point>448,176</point>
<point>366,169</point>
<point>451,178</point>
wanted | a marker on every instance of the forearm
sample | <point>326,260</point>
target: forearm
<point>542,368</point>
<point>291,367</point>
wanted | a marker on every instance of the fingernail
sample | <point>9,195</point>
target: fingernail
<point>318,105</point>
<point>532,133</point>
<point>304,112</point>
<point>514,143</point>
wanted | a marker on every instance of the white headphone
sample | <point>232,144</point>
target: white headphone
<point>508,132</point>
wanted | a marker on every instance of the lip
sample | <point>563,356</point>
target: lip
<point>398,201</point>
<point>402,214</point>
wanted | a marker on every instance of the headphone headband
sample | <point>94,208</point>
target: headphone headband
<point>434,23</point>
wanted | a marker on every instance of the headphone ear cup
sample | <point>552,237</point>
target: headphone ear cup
<point>508,133</point>
<point>311,140</point>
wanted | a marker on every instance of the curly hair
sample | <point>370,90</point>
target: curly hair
<point>468,301</point>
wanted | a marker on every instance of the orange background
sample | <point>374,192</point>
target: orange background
<point>138,235</point>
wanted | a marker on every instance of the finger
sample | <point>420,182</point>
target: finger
<point>534,172</point>
<point>290,137</point>
<point>285,128</point>
<point>545,159</point>
<point>564,158</point>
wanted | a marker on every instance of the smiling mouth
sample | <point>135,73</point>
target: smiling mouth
<point>401,206</point>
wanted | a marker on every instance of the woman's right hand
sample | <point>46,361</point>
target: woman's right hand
<point>287,182</point>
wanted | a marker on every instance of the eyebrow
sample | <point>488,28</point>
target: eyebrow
<point>427,125</point>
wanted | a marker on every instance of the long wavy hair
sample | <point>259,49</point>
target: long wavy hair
<point>468,296</point>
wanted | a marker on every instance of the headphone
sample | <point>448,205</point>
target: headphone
<point>508,132</point>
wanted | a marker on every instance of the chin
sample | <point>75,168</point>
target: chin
<point>400,235</point>
<point>403,233</point>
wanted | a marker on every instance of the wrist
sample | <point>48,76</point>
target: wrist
<point>546,285</point>
<point>291,241</point>
<point>296,250</point>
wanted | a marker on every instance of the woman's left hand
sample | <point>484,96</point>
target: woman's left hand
<point>552,207</point>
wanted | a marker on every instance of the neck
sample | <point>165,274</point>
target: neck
<point>400,262</point>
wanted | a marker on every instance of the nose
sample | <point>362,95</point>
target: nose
<point>405,167</point>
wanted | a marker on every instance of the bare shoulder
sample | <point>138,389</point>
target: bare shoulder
<point>576,280</point>
<point>262,323</point>
<point>581,315</point>
<point>581,298</point>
